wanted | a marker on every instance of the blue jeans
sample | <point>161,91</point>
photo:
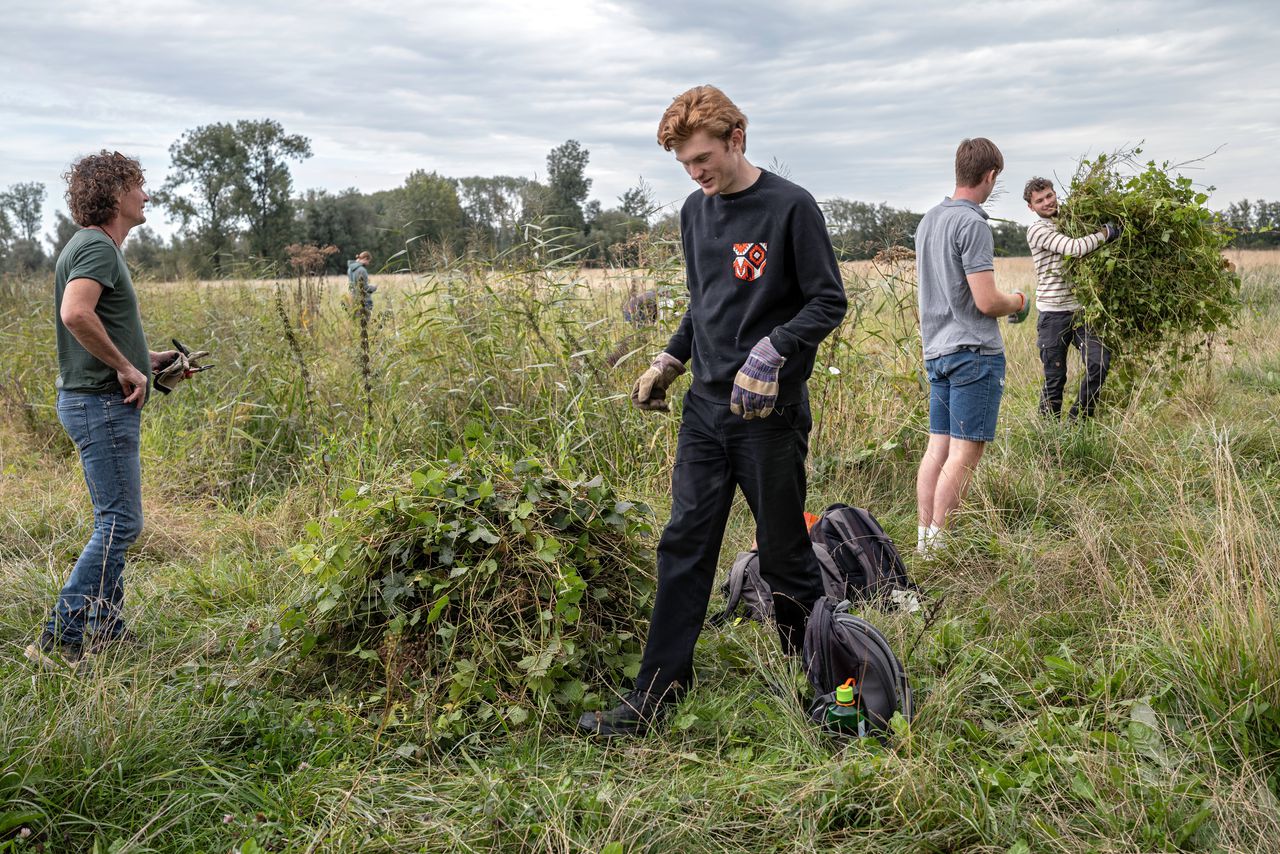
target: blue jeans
<point>106,430</point>
<point>964,394</point>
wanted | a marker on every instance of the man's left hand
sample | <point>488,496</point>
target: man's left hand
<point>182,365</point>
<point>161,359</point>
<point>1021,314</point>
<point>755,388</point>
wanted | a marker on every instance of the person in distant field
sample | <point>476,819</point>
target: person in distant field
<point>1060,325</point>
<point>641,309</point>
<point>362,289</point>
<point>963,348</point>
<point>104,373</point>
<point>764,291</point>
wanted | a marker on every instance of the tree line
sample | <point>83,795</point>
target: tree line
<point>230,190</point>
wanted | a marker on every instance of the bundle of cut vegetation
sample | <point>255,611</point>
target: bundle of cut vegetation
<point>488,590</point>
<point>1160,293</point>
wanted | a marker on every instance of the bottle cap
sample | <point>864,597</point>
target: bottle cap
<point>844,694</point>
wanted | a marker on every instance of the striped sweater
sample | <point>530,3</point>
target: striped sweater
<point>1048,245</point>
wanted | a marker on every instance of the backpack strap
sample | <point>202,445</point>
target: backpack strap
<point>733,587</point>
<point>817,633</point>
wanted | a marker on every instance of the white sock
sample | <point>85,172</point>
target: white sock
<point>932,535</point>
<point>921,537</point>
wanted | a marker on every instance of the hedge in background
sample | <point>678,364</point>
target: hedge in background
<point>1159,293</point>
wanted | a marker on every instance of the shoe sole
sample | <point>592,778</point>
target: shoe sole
<point>599,729</point>
<point>38,656</point>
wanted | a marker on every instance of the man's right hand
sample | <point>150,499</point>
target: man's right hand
<point>650,391</point>
<point>134,385</point>
<point>1113,230</point>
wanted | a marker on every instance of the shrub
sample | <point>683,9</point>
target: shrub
<point>504,588</point>
<point>1158,293</point>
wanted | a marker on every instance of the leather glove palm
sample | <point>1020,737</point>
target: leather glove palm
<point>184,365</point>
<point>650,390</point>
<point>755,388</point>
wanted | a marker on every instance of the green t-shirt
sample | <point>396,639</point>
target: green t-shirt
<point>90,254</point>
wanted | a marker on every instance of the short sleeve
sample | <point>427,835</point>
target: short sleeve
<point>977,247</point>
<point>95,260</point>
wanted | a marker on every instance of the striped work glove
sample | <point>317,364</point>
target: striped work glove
<point>650,391</point>
<point>755,388</point>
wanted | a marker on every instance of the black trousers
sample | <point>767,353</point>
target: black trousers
<point>717,452</point>
<point>1056,333</point>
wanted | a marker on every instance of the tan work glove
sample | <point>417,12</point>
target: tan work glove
<point>184,365</point>
<point>650,391</point>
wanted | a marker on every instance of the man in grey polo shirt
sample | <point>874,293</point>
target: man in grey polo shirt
<point>963,350</point>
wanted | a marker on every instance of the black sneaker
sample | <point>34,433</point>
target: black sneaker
<point>638,711</point>
<point>50,651</point>
<point>100,644</point>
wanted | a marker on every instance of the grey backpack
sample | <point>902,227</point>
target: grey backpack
<point>746,587</point>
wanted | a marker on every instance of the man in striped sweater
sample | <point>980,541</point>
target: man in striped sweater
<point>1060,325</point>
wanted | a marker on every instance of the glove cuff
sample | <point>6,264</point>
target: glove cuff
<point>767,353</point>
<point>664,362</point>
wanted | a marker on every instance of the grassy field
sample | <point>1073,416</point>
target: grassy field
<point>1103,675</point>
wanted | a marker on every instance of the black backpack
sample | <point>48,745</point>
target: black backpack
<point>867,558</point>
<point>839,646</point>
<point>857,558</point>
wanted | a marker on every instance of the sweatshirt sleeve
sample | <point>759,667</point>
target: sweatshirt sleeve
<point>681,343</point>
<point>1044,236</point>
<point>818,275</point>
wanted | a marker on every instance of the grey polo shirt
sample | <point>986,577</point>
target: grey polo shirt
<point>952,241</point>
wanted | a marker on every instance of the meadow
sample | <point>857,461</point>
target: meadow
<point>1101,673</point>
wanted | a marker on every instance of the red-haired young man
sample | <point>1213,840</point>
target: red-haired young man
<point>764,291</point>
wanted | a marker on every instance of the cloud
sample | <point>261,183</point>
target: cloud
<point>859,100</point>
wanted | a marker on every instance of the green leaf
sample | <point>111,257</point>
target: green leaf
<point>1081,786</point>
<point>13,821</point>
<point>437,608</point>
<point>480,532</point>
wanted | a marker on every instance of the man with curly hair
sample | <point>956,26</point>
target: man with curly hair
<point>764,291</point>
<point>104,372</point>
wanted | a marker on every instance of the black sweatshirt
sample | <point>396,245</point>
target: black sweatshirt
<point>759,264</point>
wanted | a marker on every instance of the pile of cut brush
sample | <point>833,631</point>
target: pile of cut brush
<point>490,590</point>
<point>1159,294</point>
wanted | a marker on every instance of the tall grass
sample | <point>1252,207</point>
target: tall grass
<point>1105,674</point>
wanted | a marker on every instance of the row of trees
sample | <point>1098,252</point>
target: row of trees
<point>1256,224</point>
<point>230,189</point>
<point>21,211</point>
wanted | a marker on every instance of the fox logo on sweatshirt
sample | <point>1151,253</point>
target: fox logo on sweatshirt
<point>749,260</point>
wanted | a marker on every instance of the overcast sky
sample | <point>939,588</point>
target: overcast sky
<point>861,100</point>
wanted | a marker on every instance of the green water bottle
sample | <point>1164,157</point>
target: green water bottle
<point>843,715</point>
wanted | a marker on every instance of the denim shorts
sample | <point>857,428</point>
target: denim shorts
<point>964,394</point>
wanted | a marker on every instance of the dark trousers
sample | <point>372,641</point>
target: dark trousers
<point>1056,333</point>
<point>716,452</point>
